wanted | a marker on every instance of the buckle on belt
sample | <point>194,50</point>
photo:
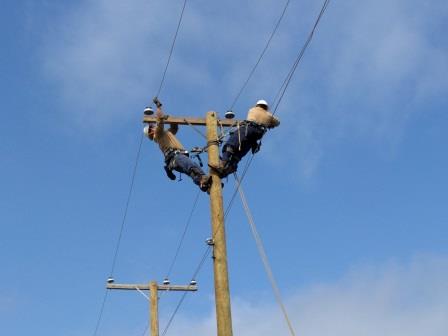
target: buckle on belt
<point>255,124</point>
<point>172,152</point>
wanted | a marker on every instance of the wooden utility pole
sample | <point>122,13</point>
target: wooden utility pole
<point>153,288</point>
<point>154,308</point>
<point>222,293</point>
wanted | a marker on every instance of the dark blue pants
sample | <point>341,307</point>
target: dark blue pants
<point>238,145</point>
<point>183,164</point>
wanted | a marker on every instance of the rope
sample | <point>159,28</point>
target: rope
<point>261,56</point>
<point>172,48</point>
<point>206,252</point>
<point>262,253</point>
<point>288,78</point>
<point>280,95</point>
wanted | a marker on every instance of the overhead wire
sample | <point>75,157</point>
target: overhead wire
<point>123,222</point>
<point>279,96</point>
<point>100,315</point>
<point>206,253</point>
<point>187,225</point>
<point>261,56</point>
<point>172,48</point>
<point>120,235</point>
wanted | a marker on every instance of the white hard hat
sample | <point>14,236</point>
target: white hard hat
<point>262,102</point>
<point>147,128</point>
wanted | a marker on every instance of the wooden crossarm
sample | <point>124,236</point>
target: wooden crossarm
<point>159,287</point>
<point>191,121</point>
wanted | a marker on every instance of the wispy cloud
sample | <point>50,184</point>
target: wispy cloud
<point>371,67</point>
<point>393,300</point>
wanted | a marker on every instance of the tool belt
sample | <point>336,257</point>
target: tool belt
<point>171,153</point>
<point>256,125</point>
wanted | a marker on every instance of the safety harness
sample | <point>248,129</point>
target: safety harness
<point>171,153</point>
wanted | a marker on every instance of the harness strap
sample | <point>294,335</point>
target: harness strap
<point>257,125</point>
<point>173,151</point>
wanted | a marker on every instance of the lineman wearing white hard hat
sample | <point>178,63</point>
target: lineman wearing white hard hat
<point>247,136</point>
<point>176,157</point>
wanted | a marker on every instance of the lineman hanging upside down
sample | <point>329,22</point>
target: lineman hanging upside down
<point>247,136</point>
<point>176,157</point>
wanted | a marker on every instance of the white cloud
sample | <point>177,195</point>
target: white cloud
<point>372,66</point>
<point>393,300</point>
<point>109,56</point>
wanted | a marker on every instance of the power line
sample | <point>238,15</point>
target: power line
<point>117,247</point>
<point>288,78</point>
<point>183,235</point>
<point>261,55</point>
<point>206,252</point>
<point>172,48</point>
<point>133,177</point>
<point>120,235</point>
<point>284,87</point>
<point>279,96</point>
<point>100,315</point>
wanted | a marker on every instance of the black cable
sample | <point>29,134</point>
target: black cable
<point>114,260</point>
<point>146,329</point>
<point>183,235</point>
<point>100,316</point>
<point>117,247</point>
<point>127,206</point>
<point>261,56</point>
<point>208,249</point>
<point>282,90</point>
<point>288,78</point>
<point>172,48</point>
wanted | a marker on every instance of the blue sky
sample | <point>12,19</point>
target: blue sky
<point>349,193</point>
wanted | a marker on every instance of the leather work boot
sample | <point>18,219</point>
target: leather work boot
<point>205,182</point>
<point>169,173</point>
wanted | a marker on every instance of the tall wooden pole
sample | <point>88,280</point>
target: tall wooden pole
<point>222,294</point>
<point>154,310</point>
